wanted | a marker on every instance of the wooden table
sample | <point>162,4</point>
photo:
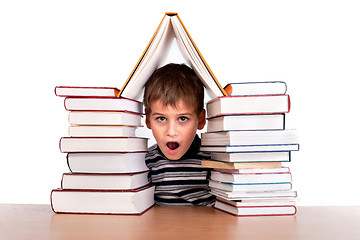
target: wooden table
<point>186,223</point>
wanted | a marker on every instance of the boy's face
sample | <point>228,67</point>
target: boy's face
<point>174,129</point>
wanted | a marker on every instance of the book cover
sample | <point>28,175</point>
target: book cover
<point>135,201</point>
<point>106,162</point>
<point>256,104</point>
<point>97,181</point>
<point>256,88</point>
<point>241,211</point>
<point>238,165</point>
<point>251,157</point>
<point>104,118</point>
<point>246,122</point>
<point>103,144</point>
<point>74,91</point>
<point>249,138</point>
<point>103,104</point>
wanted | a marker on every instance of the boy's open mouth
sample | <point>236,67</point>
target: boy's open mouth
<point>172,145</point>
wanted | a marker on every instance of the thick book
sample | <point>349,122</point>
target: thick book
<point>91,118</point>
<point>256,88</point>
<point>246,122</point>
<point>106,162</point>
<point>103,144</point>
<point>97,181</point>
<point>256,170</point>
<point>250,149</point>
<point>261,195</point>
<point>238,165</point>
<point>171,27</point>
<point>135,201</point>
<point>102,104</point>
<point>101,131</point>
<point>253,177</point>
<point>260,202</point>
<point>255,104</point>
<point>259,210</point>
<point>250,138</point>
<point>252,157</point>
<point>74,91</point>
<point>258,187</point>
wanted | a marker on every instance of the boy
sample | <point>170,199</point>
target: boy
<point>174,99</point>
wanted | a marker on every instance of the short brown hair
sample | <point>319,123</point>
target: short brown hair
<point>172,83</point>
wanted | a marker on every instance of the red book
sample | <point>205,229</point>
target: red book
<point>72,91</point>
<point>254,104</point>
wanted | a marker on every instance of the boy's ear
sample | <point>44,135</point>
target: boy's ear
<point>202,120</point>
<point>147,119</point>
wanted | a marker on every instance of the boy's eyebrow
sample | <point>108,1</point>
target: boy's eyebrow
<point>156,113</point>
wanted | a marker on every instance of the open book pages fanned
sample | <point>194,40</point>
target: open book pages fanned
<point>170,28</point>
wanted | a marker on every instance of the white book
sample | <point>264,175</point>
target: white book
<point>246,122</point>
<point>249,138</point>
<point>104,118</point>
<point>103,144</point>
<point>229,187</point>
<point>102,131</point>
<point>251,149</point>
<point>251,178</point>
<point>264,104</point>
<point>256,210</point>
<point>156,52</point>
<point>104,181</point>
<point>281,201</point>
<point>107,162</point>
<point>102,201</point>
<point>102,104</point>
<point>252,157</point>
<point>256,88</point>
<point>253,195</point>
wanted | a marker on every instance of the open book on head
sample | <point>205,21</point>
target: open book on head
<point>170,28</point>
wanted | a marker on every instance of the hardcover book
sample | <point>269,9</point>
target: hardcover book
<point>171,27</point>
<point>249,138</point>
<point>262,104</point>
<point>259,210</point>
<point>103,144</point>
<point>106,162</point>
<point>256,88</point>
<point>73,91</point>
<point>97,181</point>
<point>102,104</point>
<point>101,131</point>
<point>238,165</point>
<point>95,118</point>
<point>246,122</point>
<point>252,157</point>
<point>135,201</point>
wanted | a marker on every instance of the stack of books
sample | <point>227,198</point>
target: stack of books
<point>248,142</point>
<point>106,159</point>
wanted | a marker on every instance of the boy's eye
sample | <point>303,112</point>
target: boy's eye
<point>183,119</point>
<point>161,119</point>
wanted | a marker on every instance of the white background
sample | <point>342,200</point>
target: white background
<point>312,45</point>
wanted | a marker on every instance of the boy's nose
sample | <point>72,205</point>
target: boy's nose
<point>172,129</point>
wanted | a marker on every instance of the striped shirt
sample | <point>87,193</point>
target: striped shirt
<point>180,182</point>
